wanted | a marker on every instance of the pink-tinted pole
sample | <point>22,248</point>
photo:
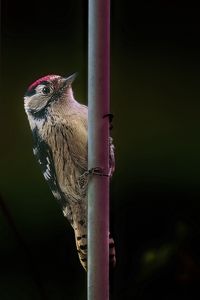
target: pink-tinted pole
<point>98,148</point>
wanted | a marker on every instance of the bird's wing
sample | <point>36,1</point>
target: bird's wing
<point>44,156</point>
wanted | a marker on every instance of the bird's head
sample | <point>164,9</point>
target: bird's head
<point>45,93</point>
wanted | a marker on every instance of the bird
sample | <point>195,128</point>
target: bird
<point>59,126</point>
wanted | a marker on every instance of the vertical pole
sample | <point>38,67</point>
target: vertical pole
<point>98,148</point>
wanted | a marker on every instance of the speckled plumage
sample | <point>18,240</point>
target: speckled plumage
<point>59,126</point>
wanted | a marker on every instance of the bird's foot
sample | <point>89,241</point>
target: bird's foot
<point>94,171</point>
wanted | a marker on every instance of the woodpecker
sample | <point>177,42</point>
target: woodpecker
<point>59,126</point>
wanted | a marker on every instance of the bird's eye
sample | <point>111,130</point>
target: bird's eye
<point>46,90</point>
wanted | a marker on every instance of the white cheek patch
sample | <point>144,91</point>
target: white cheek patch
<point>37,101</point>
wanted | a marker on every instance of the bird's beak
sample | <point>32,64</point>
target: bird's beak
<point>69,80</point>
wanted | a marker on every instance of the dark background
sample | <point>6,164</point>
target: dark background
<point>155,192</point>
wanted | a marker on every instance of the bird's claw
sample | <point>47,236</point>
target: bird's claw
<point>110,116</point>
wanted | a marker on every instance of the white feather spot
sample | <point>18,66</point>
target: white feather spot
<point>56,194</point>
<point>47,174</point>
<point>66,212</point>
<point>35,151</point>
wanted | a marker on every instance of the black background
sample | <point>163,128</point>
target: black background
<point>155,190</point>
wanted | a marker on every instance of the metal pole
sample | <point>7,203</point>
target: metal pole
<point>98,148</point>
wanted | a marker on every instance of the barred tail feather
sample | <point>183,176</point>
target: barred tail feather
<point>81,244</point>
